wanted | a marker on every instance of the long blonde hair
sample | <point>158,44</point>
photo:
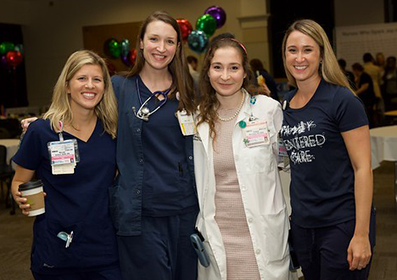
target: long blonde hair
<point>329,69</point>
<point>60,109</point>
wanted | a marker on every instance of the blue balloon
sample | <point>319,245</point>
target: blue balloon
<point>197,41</point>
<point>124,47</point>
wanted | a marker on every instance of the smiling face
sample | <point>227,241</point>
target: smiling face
<point>302,57</point>
<point>86,87</point>
<point>159,45</point>
<point>226,72</point>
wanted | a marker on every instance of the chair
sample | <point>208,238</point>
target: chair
<point>6,175</point>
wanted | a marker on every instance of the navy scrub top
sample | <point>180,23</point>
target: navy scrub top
<point>167,182</point>
<point>76,202</point>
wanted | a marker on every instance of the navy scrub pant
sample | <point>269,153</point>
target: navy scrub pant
<point>106,274</point>
<point>162,252</point>
<point>322,252</point>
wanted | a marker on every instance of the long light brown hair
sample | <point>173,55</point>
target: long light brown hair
<point>329,68</point>
<point>60,110</point>
<point>182,82</point>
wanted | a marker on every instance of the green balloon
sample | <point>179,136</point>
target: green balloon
<point>207,24</point>
<point>6,47</point>
<point>114,48</point>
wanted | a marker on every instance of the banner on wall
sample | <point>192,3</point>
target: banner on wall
<point>353,41</point>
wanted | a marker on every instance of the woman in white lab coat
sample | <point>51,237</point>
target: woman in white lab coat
<point>243,216</point>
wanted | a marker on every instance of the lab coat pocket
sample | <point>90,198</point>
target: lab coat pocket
<point>258,159</point>
<point>212,271</point>
<point>276,235</point>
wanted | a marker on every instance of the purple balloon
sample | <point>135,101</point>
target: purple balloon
<point>4,61</point>
<point>218,13</point>
<point>126,59</point>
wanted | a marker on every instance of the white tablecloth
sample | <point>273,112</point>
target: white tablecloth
<point>12,147</point>
<point>383,145</point>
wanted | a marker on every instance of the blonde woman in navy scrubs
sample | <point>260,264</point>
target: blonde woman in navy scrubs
<point>83,110</point>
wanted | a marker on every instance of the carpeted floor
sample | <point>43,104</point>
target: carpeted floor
<point>16,234</point>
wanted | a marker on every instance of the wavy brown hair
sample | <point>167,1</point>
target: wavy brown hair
<point>209,102</point>
<point>181,79</point>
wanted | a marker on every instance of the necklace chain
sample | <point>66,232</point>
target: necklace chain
<point>235,113</point>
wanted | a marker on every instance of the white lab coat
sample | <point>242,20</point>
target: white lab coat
<point>261,192</point>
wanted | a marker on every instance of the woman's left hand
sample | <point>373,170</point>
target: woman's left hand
<point>359,252</point>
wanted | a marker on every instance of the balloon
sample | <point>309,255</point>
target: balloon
<point>19,48</point>
<point>112,48</point>
<point>130,58</point>
<point>218,13</point>
<point>206,23</point>
<point>14,58</point>
<point>197,41</point>
<point>126,60</point>
<point>132,54</point>
<point>186,28</point>
<point>6,47</point>
<point>4,62</point>
<point>124,47</point>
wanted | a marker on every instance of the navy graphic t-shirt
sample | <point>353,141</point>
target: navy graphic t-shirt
<point>322,177</point>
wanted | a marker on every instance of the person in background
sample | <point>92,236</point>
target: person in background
<point>259,70</point>
<point>325,132</point>
<point>365,90</point>
<point>390,84</point>
<point>376,75</point>
<point>349,75</point>
<point>84,110</point>
<point>380,61</point>
<point>153,201</point>
<point>193,64</point>
<point>243,217</point>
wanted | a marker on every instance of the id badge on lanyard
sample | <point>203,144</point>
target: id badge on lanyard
<point>186,123</point>
<point>256,133</point>
<point>63,155</point>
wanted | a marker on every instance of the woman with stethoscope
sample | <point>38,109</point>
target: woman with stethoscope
<point>153,202</point>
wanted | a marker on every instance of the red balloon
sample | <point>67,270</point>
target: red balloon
<point>132,55</point>
<point>186,28</point>
<point>14,58</point>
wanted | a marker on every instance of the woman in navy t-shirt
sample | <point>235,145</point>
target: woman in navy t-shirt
<point>81,121</point>
<point>325,132</point>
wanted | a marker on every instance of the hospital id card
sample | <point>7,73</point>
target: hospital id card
<point>256,133</point>
<point>63,156</point>
<point>186,123</point>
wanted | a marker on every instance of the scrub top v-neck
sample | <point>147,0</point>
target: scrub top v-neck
<point>76,202</point>
<point>167,182</point>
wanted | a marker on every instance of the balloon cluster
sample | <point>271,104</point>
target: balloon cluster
<point>11,54</point>
<point>122,50</point>
<point>213,18</point>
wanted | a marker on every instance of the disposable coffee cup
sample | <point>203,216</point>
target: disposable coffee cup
<point>33,192</point>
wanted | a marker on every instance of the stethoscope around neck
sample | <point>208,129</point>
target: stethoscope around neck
<point>144,112</point>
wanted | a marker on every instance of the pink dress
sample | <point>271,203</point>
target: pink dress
<point>230,214</point>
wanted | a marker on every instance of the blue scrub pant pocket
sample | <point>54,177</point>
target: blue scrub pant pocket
<point>51,251</point>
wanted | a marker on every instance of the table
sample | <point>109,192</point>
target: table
<point>391,113</point>
<point>384,147</point>
<point>12,147</point>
